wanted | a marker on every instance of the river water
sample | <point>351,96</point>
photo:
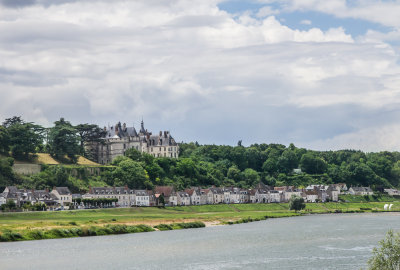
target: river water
<point>337,241</point>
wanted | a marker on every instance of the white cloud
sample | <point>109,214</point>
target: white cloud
<point>266,11</point>
<point>378,11</point>
<point>203,73</point>
<point>306,22</point>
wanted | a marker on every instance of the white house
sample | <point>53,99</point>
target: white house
<point>142,198</point>
<point>63,195</point>
<point>360,191</point>
<point>183,198</point>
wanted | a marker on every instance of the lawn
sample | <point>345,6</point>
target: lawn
<point>153,215</point>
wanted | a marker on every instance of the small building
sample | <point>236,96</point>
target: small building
<point>360,191</point>
<point>63,195</point>
<point>142,198</point>
<point>183,198</point>
<point>391,192</point>
<point>333,193</point>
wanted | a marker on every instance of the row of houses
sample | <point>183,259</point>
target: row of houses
<point>59,196</point>
<point>167,195</point>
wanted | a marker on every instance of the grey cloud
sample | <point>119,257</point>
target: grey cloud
<point>17,3</point>
<point>194,71</point>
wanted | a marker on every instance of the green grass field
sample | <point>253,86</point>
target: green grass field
<point>25,223</point>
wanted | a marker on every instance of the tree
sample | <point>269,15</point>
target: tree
<point>234,173</point>
<point>6,172</point>
<point>387,255</point>
<point>312,164</point>
<point>4,140</point>
<point>296,203</point>
<point>63,141</point>
<point>130,173</point>
<point>24,137</point>
<point>251,177</point>
<point>89,133</point>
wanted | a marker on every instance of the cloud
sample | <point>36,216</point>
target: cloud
<point>306,22</point>
<point>379,11</point>
<point>201,72</point>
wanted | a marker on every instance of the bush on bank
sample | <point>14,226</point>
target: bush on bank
<point>179,226</point>
<point>8,235</point>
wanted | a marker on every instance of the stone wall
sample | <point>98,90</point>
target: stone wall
<point>26,168</point>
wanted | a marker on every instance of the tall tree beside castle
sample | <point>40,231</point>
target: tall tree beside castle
<point>63,141</point>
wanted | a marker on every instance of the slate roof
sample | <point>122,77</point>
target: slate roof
<point>166,190</point>
<point>63,190</point>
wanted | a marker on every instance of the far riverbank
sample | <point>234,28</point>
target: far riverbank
<point>62,224</point>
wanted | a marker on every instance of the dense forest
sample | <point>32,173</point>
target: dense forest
<point>198,165</point>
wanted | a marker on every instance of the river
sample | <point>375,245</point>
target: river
<point>336,241</point>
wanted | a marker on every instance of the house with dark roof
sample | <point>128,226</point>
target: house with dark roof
<point>63,195</point>
<point>360,191</point>
<point>164,191</point>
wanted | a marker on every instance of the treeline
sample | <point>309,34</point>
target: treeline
<point>63,141</point>
<point>197,165</point>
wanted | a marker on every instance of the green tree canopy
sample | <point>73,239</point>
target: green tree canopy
<point>387,255</point>
<point>296,203</point>
<point>63,141</point>
<point>130,173</point>
<point>23,137</point>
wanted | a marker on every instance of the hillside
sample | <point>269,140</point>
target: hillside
<point>47,159</point>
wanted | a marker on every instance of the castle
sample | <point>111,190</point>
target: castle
<point>120,138</point>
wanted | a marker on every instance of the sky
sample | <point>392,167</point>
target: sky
<point>323,75</point>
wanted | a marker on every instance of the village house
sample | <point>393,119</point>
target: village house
<point>2,199</point>
<point>360,191</point>
<point>262,196</point>
<point>311,196</point>
<point>142,198</point>
<point>195,196</point>
<point>244,196</point>
<point>183,198</point>
<point>333,193</point>
<point>63,195</point>
<point>392,192</point>
<point>218,195</point>
<point>165,192</point>
<point>253,194</point>
<point>274,196</point>
<point>173,199</point>
<point>286,195</point>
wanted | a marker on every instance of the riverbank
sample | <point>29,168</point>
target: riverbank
<point>126,220</point>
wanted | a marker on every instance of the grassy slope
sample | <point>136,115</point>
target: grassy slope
<point>44,158</point>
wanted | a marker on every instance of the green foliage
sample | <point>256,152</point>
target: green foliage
<point>8,206</point>
<point>312,164</point>
<point>387,255</point>
<point>296,203</point>
<point>130,173</point>
<point>6,173</point>
<point>8,235</point>
<point>88,133</point>
<point>23,138</point>
<point>63,141</point>
<point>4,140</point>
